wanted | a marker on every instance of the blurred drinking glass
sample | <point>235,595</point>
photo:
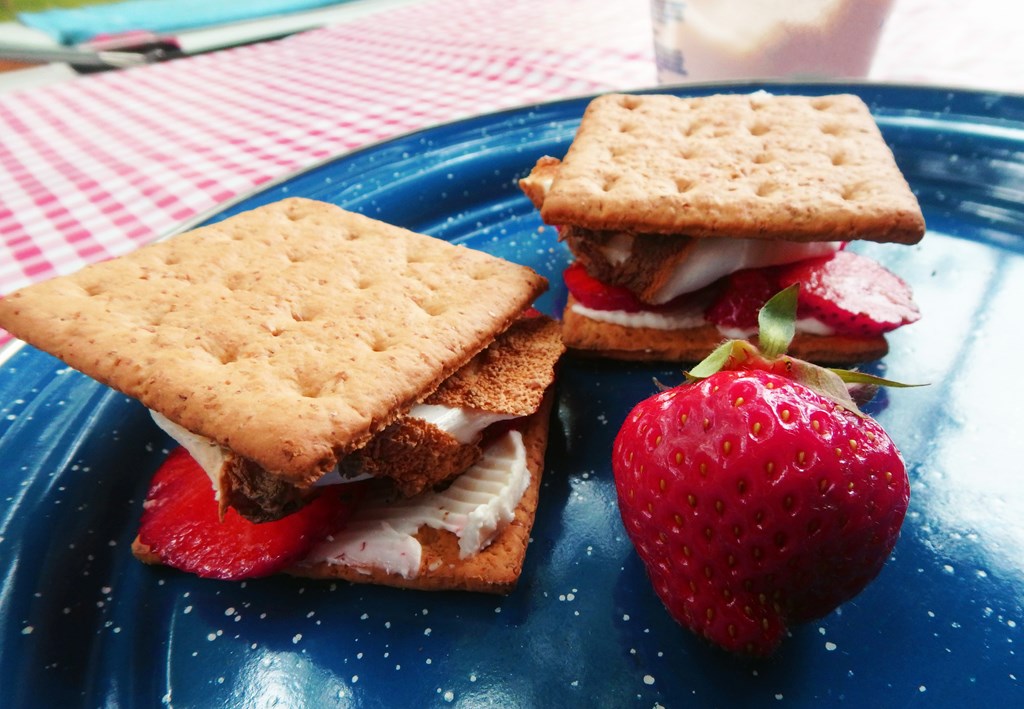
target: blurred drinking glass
<point>711,40</point>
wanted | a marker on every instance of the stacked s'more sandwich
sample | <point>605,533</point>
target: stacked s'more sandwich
<point>352,400</point>
<point>684,215</point>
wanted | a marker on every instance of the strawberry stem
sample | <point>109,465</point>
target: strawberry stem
<point>777,327</point>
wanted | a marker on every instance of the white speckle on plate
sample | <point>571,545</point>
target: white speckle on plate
<point>27,630</point>
<point>830,646</point>
<point>296,638</point>
<point>648,680</point>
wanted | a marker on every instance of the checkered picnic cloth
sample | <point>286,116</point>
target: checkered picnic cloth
<point>94,167</point>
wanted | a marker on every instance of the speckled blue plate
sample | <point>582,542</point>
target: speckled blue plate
<point>82,623</point>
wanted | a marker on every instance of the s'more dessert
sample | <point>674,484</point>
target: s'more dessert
<point>348,399</point>
<point>685,215</point>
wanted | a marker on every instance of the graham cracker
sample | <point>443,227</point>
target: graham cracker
<point>585,336</point>
<point>741,166</point>
<point>510,377</point>
<point>289,334</point>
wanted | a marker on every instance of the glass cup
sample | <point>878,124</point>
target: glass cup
<point>712,40</point>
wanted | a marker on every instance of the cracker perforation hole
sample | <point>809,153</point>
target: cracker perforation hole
<point>433,308</point>
<point>766,188</point>
<point>762,158</point>
<point>759,129</point>
<point>609,183</point>
<point>832,129</point>
<point>629,102</point>
<point>222,351</point>
<point>684,185</point>
<point>94,289</point>
<point>822,104</point>
<point>235,281</point>
<point>853,192</point>
<point>627,127</point>
<point>307,386</point>
<point>305,313</point>
<point>228,355</point>
<point>381,342</point>
<point>839,158</point>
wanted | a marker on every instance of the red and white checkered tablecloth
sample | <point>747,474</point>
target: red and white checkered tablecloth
<point>93,167</point>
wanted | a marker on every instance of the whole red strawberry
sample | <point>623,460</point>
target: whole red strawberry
<point>755,501</point>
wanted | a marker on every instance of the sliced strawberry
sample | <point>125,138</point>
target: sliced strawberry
<point>852,294</point>
<point>180,525</point>
<point>745,293</point>
<point>592,293</point>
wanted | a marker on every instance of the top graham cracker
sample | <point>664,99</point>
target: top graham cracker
<point>745,166</point>
<point>289,334</point>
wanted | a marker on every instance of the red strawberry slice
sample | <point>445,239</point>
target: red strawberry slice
<point>756,502</point>
<point>852,294</point>
<point>180,525</point>
<point>744,295</point>
<point>592,293</point>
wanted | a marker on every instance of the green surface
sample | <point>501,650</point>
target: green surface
<point>10,8</point>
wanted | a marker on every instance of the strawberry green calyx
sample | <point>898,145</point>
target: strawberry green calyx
<point>776,328</point>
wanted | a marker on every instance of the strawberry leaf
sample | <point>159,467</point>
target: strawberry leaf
<point>777,327</point>
<point>777,322</point>
<point>852,376</point>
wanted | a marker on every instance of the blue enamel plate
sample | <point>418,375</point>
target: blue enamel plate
<point>84,624</point>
